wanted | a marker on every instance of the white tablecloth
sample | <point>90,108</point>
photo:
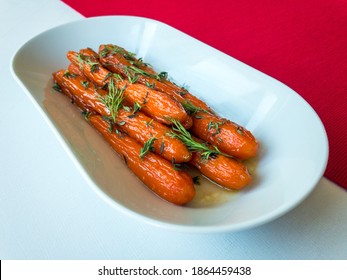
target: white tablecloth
<point>48,211</point>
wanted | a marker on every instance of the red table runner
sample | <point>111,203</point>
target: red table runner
<point>301,43</point>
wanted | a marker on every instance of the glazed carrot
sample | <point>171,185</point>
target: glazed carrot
<point>227,172</point>
<point>214,164</point>
<point>125,57</point>
<point>143,129</point>
<point>90,68</point>
<point>153,103</point>
<point>135,124</point>
<point>74,69</point>
<point>119,61</point>
<point>226,135</point>
<point>81,89</point>
<point>154,171</point>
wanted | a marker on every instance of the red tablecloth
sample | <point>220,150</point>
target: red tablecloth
<point>301,43</point>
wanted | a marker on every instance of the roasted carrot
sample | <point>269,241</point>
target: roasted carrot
<point>80,89</point>
<point>143,129</point>
<point>155,172</point>
<point>214,164</point>
<point>156,104</point>
<point>134,123</point>
<point>74,69</point>
<point>120,61</point>
<point>227,172</point>
<point>226,135</point>
<point>90,67</point>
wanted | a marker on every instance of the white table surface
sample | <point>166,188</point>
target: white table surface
<point>48,211</point>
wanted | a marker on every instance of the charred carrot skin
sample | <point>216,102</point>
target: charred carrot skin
<point>155,172</point>
<point>226,135</point>
<point>226,172</point>
<point>118,60</point>
<point>153,103</point>
<point>136,125</point>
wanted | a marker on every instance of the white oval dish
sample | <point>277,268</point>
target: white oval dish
<point>294,146</point>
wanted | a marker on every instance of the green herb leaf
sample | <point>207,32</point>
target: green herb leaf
<point>196,180</point>
<point>84,59</point>
<point>181,133</point>
<point>85,84</point>
<point>57,87</point>
<point>152,85</point>
<point>191,109</point>
<point>86,115</point>
<point>137,107</point>
<point>113,100</point>
<point>67,74</point>
<point>215,126</point>
<point>132,71</point>
<point>147,147</point>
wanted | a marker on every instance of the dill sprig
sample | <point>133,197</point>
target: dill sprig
<point>57,87</point>
<point>113,49</point>
<point>113,100</point>
<point>147,147</point>
<point>191,109</point>
<point>137,71</point>
<point>178,131</point>
<point>87,60</point>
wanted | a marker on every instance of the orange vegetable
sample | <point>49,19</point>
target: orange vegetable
<point>228,136</point>
<point>154,171</point>
<point>120,61</point>
<point>227,172</point>
<point>136,125</point>
<point>156,104</point>
<point>74,69</point>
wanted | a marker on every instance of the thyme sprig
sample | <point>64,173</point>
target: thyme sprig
<point>147,147</point>
<point>113,99</point>
<point>178,131</point>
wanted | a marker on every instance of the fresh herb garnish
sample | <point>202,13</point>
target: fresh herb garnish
<point>132,71</point>
<point>126,108</point>
<point>110,122</point>
<point>161,150</point>
<point>133,79</point>
<point>67,74</point>
<point>196,180</point>
<point>150,123</point>
<point>94,66</point>
<point>178,166</point>
<point>215,126</point>
<point>152,85</point>
<point>147,147</point>
<point>104,52</point>
<point>191,109</point>
<point>57,87</point>
<point>86,115</point>
<point>239,130</point>
<point>113,100</point>
<point>85,84</point>
<point>137,107</point>
<point>178,131</point>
